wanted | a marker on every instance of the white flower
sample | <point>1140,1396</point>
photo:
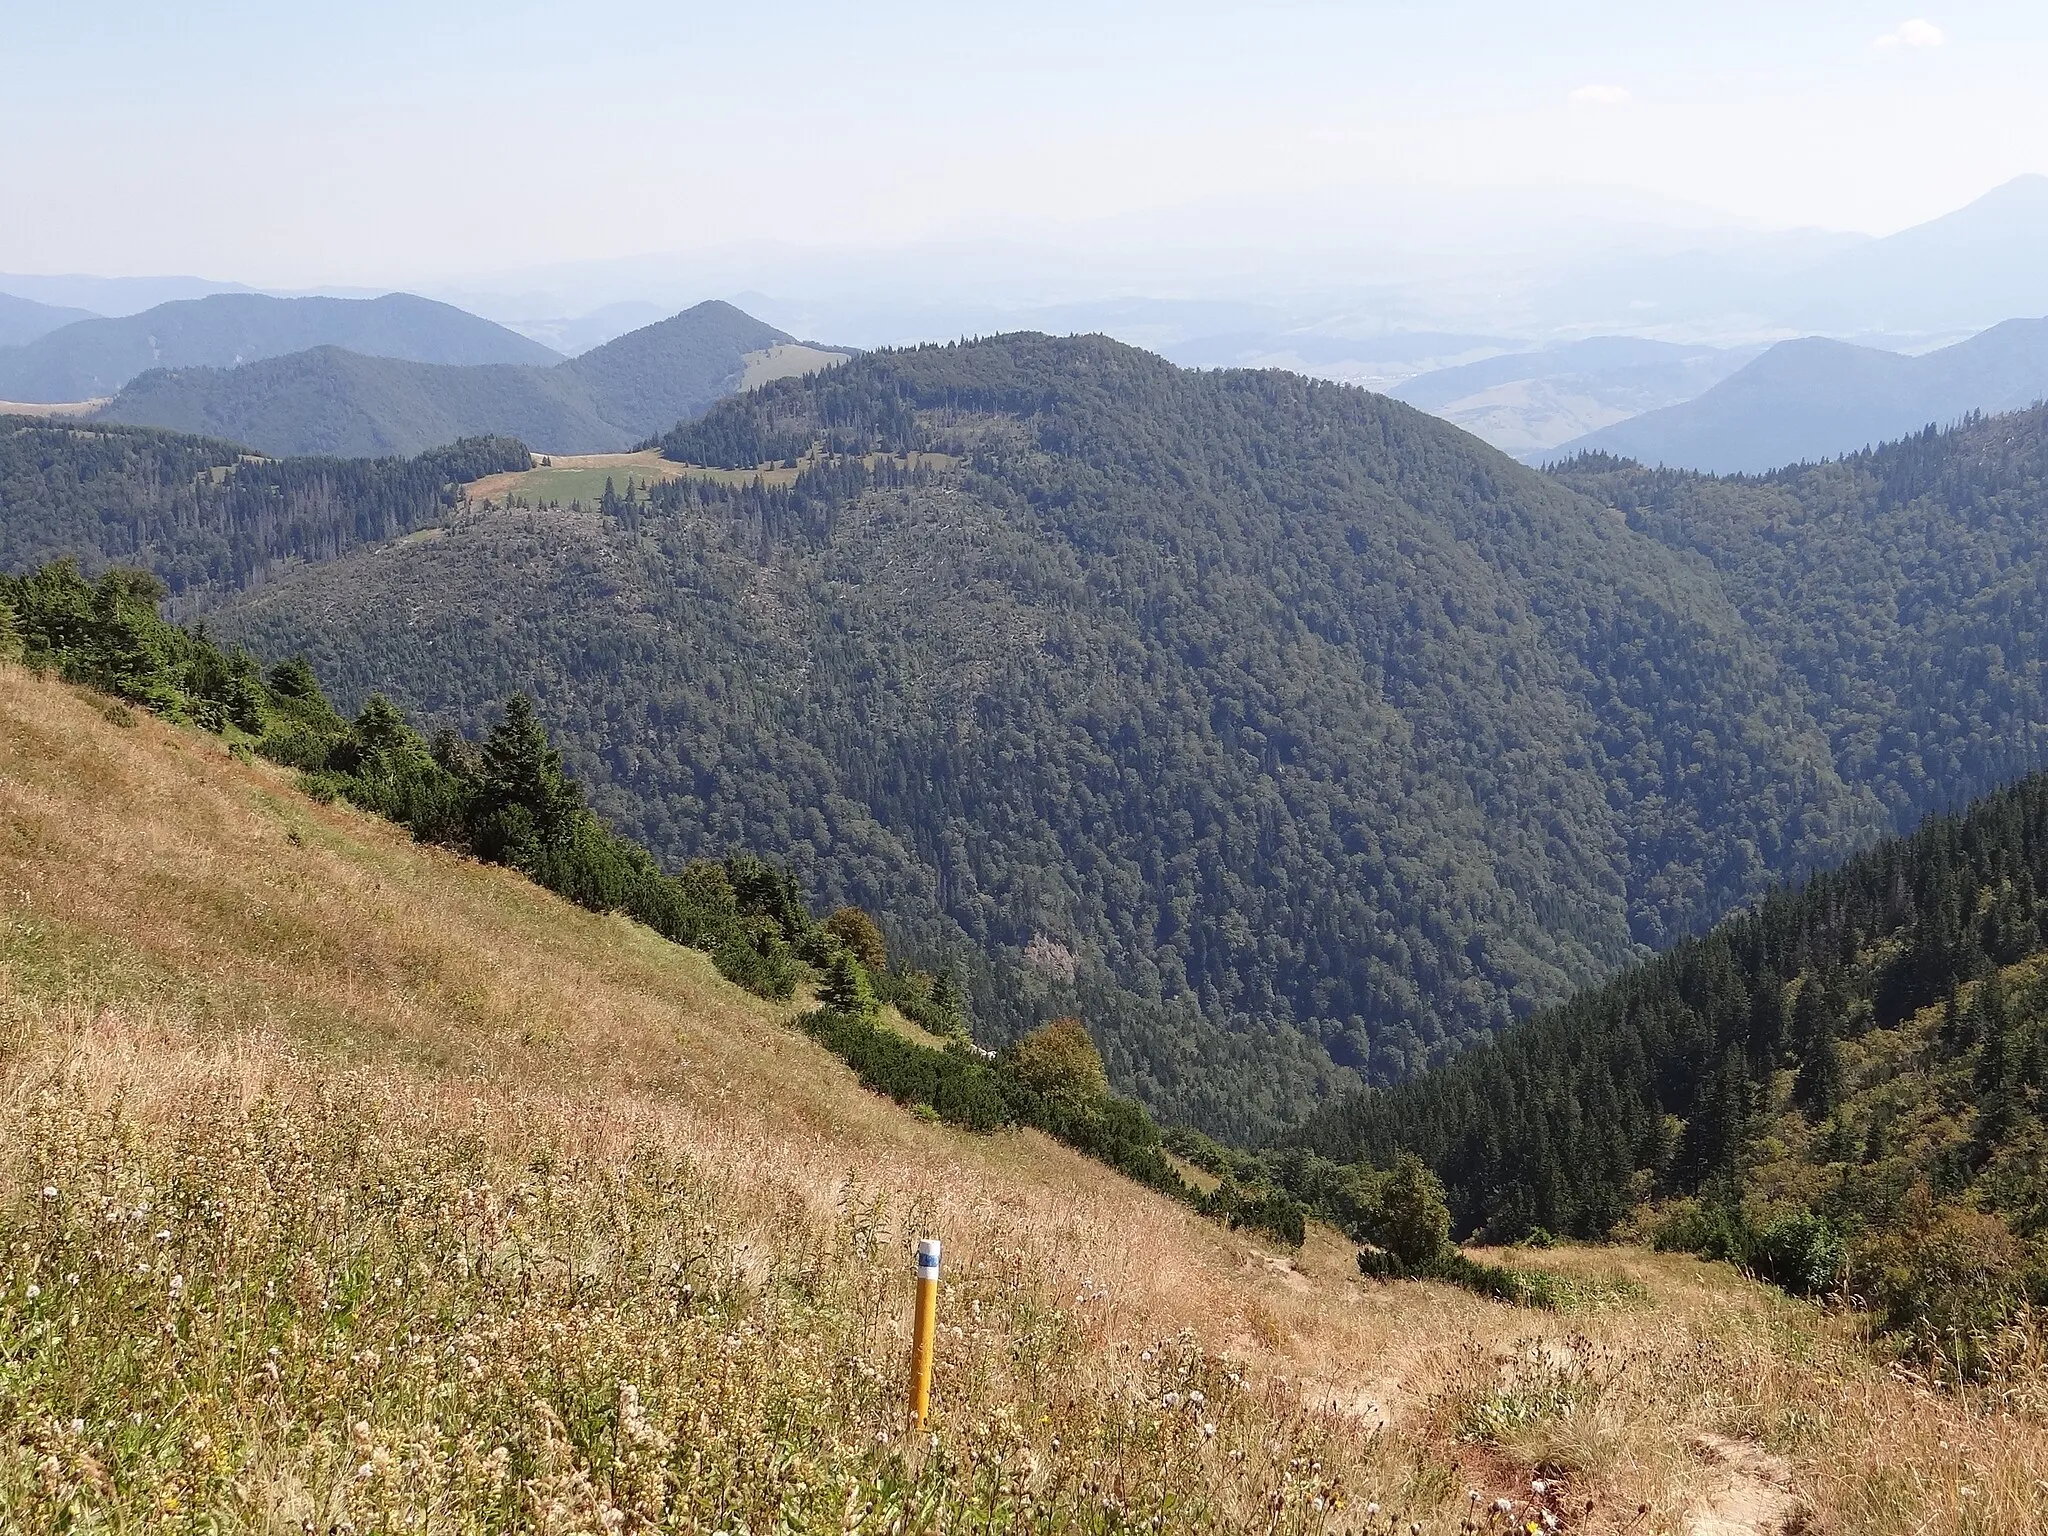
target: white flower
<point>49,1191</point>
<point>1208,1431</point>
<point>1537,1487</point>
<point>34,1291</point>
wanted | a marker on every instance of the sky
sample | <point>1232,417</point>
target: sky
<point>388,143</point>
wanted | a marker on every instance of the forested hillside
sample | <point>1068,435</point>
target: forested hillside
<point>1286,734</point>
<point>92,358</point>
<point>328,400</point>
<point>197,513</point>
<point>1906,590</point>
<point>1280,730</point>
<point>1853,1074</point>
<point>332,402</point>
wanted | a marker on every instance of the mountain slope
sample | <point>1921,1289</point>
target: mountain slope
<point>649,379</point>
<point>91,359</point>
<point>481,1170</point>
<point>334,402</point>
<point>330,401</point>
<point>1903,588</point>
<point>193,512</point>
<point>1253,717</point>
<point>1972,267</point>
<point>1854,1078</point>
<point>23,320</point>
<point>1527,402</point>
<point>1814,398</point>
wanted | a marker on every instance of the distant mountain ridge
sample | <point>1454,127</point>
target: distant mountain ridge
<point>1526,403</point>
<point>328,400</point>
<point>1815,398</point>
<point>1986,260</point>
<point>23,320</point>
<point>91,359</point>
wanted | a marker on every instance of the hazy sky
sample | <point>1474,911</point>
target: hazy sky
<point>378,142</point>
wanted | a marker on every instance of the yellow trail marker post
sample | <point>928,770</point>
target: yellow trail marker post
<point>927,1319</point>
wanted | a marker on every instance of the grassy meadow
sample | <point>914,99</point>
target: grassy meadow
<point>568,478</point>
<point>355,1186</point>
<point>785,360</point>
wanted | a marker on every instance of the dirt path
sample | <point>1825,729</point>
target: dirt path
<point>1750,1493</point>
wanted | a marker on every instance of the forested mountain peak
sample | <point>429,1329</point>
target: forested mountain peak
<point>1287,734</point>
<point>330,400</point>
<point>1815,398</point>
<point>1309,735</point>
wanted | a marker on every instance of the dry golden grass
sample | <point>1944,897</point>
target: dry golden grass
<point>392,1191</point>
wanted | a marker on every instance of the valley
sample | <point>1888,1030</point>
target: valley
<point>1242,769</point>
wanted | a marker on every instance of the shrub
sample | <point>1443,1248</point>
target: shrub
<point>1273,1212</point>
<point>860,934</point>
<point>1802,1252</point>
<point>1947,1274</point>
<point>1060,1061</point>
<point>1711,1229</point>
<point>1412,1222</point>
<point>754,955</point>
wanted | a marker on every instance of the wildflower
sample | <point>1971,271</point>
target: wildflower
<point>49,1191</point>
<point>34,1290</point>
<point>1372,1510</point>
<point>177,1285</point>
<point>1504,1506</point>
<point>1538,1487</point>
<point>163,1234</point>
<point>1208,1430</point>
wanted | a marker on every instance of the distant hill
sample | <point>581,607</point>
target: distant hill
<point>91,359</point>
<point>99,296</point>
<point>648,380</point>
<point>330,401</point>
<point>23,320</point>
<point>1527,402</point>
<point>1814,398</point>
<point>1971,267</point>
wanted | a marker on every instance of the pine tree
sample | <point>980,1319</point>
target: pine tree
<point>847,988</point>
<point>521,795</point>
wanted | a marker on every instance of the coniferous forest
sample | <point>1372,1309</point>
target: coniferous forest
<point>1050,656</point>
<point>1288,735</point>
